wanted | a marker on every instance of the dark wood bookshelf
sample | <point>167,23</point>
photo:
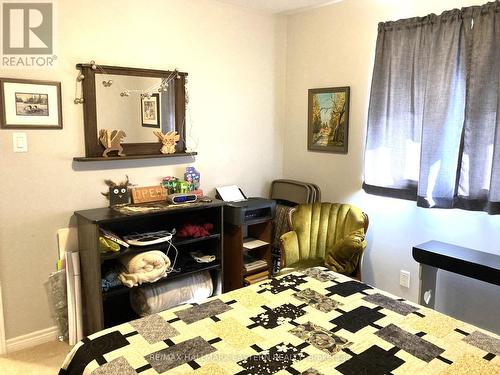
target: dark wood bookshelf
<point>101,309</point>
<point>234,237</point>
<point>105,215</point>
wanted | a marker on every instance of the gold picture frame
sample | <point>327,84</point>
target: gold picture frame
<point>328,119</point>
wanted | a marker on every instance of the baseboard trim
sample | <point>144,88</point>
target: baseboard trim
<point>32,339</point>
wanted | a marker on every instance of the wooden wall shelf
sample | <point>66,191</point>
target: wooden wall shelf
<point>132,157</point>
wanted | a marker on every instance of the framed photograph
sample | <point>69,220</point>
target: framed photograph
<point>328,120</point>
<point>150,111</point>
<point>28,104</point>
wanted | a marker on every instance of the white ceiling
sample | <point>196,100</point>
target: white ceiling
<point>279,6</point>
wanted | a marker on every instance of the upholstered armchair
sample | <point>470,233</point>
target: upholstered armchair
<point>326,234</point>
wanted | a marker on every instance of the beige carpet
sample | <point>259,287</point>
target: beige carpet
<point>45,359</point>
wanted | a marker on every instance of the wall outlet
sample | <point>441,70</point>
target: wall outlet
<point>404,278</point>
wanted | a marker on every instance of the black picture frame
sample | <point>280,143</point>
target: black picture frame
<point>18,112</point>
<point>150,111</point>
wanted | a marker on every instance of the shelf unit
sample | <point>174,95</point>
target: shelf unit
<point>102,309</point>
<point>161,246</point>
<point>125,290</point>
<point>133,157</point>
<point>234,236</point>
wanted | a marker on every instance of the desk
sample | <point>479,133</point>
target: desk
<point>434,255</point>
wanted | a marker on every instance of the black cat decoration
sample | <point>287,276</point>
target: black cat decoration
<point>118,194</point>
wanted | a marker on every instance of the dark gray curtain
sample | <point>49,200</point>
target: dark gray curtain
<point>428,75</point>
<point>479,180</point>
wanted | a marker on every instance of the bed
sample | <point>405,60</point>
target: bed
<point>309,322</point>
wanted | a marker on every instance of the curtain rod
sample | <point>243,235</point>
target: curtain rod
<point>465,12</point>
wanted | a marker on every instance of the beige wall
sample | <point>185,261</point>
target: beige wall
<point>234,59</point>
<point>237,69</point>
<point>335,46</point>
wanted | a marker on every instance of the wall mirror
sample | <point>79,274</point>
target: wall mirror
<point>137,101</point>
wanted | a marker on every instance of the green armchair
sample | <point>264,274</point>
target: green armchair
<point>325,234</point>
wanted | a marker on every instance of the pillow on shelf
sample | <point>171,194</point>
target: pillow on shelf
<point>343,256</point>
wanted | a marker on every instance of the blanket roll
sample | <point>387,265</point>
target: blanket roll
<point>146,267</point>
<point>152,299</point>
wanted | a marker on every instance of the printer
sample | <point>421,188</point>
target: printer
<point>249,211</point>
<point>240,210</point>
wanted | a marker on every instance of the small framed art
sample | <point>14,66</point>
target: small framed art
<point>30,104</point>
<point>328,119</point>
<point>150,112</point>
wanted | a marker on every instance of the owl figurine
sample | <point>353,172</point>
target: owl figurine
<point>118,194</point>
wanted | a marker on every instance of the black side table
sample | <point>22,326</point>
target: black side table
<point>434,255</point>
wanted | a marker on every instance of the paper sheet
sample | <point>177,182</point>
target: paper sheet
<point>230,193</point>
<point>67,241</point>
<point>252,243</point>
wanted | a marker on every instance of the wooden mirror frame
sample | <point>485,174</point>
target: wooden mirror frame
<point>93,148</point>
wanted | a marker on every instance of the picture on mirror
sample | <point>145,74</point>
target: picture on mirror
<point>28,104</point>
<point>150,111</point>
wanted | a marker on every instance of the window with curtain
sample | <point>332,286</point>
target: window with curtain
<point>433,122</point>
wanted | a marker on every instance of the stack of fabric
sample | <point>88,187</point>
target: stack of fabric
<point>152,266</point>
<point>155,298</point>
<point>146,267</point>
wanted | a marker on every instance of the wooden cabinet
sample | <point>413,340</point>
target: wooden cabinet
<point>102,309</point>
<point>235,254</point>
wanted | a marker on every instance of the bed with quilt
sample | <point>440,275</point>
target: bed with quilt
<point>308,322</point>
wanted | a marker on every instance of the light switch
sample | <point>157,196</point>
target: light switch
<point>20,142</point>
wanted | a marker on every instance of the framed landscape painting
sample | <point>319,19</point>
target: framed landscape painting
<point>29,104</point>
<point>328,119</point>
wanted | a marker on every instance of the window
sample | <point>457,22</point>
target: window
<point>433,117</point>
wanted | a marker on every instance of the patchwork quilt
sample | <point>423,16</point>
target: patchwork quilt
<point>309,322</point>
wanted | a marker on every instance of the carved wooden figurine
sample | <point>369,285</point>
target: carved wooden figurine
<point>169,141</point>
<point>111,140</point>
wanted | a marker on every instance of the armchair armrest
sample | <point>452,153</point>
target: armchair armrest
<point>289,244</point>
<point>345,255</point>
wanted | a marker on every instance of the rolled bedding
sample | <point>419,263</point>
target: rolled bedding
<point>153,299</point>
<point>146,267</point>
